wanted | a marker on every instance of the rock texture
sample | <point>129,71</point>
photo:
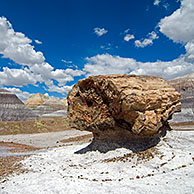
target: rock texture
<point>122,106</point>
<point>13,109</point>
<point>185,86</point>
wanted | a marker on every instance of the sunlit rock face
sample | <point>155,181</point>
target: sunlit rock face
<point>13,109</point>
<point>122,106</point>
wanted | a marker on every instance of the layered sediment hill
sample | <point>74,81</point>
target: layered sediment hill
<point>36,100</point>
<point>13,109</point>
<point>43,106</point>
<point>185,86</point>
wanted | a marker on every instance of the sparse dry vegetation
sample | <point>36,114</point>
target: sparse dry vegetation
<point>183,123</point>
<point>36,126</point>
<point>142,156</point>
<point>78,138</point>
<point>9,165</point>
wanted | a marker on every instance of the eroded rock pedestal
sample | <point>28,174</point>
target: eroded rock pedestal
<point>122,107</point>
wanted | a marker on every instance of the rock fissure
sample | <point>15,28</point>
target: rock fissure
<point>122,107</point>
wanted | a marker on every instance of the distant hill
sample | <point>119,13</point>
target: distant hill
<point>13,109</point>
<point>6,97</point>
<point>36,99</point>
<point>185,86</point>
<point>43,106</point>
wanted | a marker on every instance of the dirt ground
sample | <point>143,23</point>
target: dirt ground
<point>9,165</point>
<point>36,126</point>
<point>49,129</point>
<point>183,126</point>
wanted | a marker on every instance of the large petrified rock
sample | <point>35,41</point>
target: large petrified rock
<point>122,106</point>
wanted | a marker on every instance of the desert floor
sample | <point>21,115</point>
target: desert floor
<point>48,163</point>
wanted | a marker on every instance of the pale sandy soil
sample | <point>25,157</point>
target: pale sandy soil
<point>43,140</point>
<point>14,148</point>
<point>183,126</point>
<point>166,168</point>
<point>47,163</point>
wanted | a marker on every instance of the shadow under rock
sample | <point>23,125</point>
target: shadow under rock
<point>133,144</point>
<point>105,146</point>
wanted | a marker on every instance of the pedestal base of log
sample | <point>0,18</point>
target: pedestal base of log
<point>113,139</point>
<point>122,109</point>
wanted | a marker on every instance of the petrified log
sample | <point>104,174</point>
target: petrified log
<point>122,106</point>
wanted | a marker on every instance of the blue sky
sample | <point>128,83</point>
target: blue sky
<point>46,46</point>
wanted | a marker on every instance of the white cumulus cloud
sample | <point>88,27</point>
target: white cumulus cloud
<point>100,31</point>
<point>34,69</point>
<point>60,89</point>
<point>156,2</point>
<point>16,46</point>
<point>179,26</point>
<point>22,95</point>
<point>147,41</point>
<point>129,37</point>
<point>108,64</point>
<point>38,42</point>
<point>189,56</point>
<point>18,77</point>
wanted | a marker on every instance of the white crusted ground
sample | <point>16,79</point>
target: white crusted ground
<point>61,171</point>
<point>43,140</point>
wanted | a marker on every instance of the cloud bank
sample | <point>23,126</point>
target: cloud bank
<point>178,27</point>
<point>34,69</point>
<point>108,64</point>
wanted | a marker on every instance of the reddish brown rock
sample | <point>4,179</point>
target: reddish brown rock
<point>122,106</point>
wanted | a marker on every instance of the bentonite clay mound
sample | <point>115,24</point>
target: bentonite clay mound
<point>122,106</point>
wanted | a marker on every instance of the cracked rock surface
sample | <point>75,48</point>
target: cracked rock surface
<point>122,106</point>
